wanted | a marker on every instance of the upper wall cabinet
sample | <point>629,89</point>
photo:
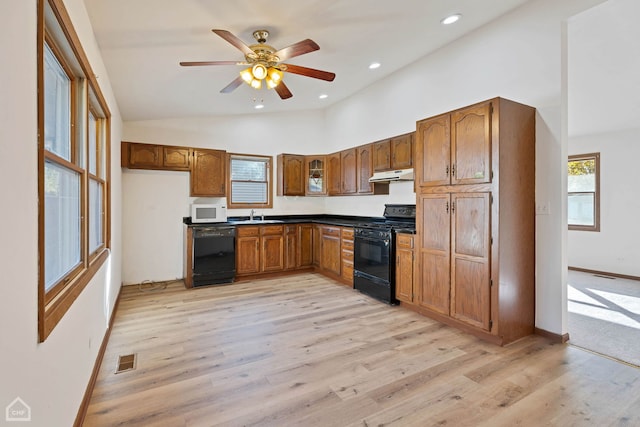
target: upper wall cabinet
<point>348,171</point>
<point>291,169</point>
<point>152,156</point>
<point>315,172</point>
<point>393,153</point>
<point>208,173</point>
<point>459,147</point>
<point>334,186</point>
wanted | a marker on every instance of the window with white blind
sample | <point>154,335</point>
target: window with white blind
<point>250,181</point>
<point>583,207</point>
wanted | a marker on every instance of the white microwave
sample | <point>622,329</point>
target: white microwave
<point>201,212</point>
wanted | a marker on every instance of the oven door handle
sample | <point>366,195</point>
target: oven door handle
<point>385,241</point>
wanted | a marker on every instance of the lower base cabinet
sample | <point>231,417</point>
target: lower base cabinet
<point>347,255</point>
<point>330,246</point>
<point>259,249</point>
<point>404,267</point>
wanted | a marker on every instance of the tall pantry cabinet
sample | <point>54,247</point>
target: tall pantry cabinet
<point>475,243</point>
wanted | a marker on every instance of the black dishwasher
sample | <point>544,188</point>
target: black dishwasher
<point>214,255</point>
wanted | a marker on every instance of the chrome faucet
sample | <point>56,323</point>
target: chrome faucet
<point>251,215</point>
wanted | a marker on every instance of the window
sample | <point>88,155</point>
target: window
<point>583,189</point>
<point>73,167</point>
<point>249,181</point>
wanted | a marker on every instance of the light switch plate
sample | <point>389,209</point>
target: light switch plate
<point>542,208</point>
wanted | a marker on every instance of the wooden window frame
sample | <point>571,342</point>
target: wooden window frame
<point>54,27</point>
<point>269,161</point>
<point>596,194</point>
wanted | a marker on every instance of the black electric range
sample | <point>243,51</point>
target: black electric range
<point>374,251</point>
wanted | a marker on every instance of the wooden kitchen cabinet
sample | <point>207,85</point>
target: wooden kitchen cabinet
<point>208,173</point>
<point>330,250</point>
<point>315,172</point>
<point>393,153</point>
<point>458,147</point>
<point>152,156</point>
<point>346,246</point>
<point>290,246</point>
<point>334,174</point>
<point>349,171</point>
<point>402,151</point>
<point>305,256</point>
<point>291,175</point>
<point>259,249</point>
<point>364,168</point>
<point>404,267</point>
<point>317,243</point>
<point>475,241</point>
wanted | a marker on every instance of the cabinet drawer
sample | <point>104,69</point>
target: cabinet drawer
<point>347,244</point>
<point>347,255</point>
<point>347,233</point>
<point>291,229</point>
<point>244,231</point>
<point>347,270</point>
<point>272,229</point>
<point>404,240</point>
<point>331,231</point>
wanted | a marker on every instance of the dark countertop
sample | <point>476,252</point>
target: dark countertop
<point>339,220</point>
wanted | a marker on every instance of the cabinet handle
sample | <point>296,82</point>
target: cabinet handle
<point>447,207</point>
<point>447,171</point>
<point>453,207</point>
<point>453,171</point>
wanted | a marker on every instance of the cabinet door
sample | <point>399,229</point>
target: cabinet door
<point>305,245</point>
<point>330,258</point>
<point>348,165</point>
<point>364,168</point>
<point>433,142</point>
<point>145,156</point>
<point>290,175</point>
<point>208,173</point>
<point>471,145</point>
<point>176,158</point>
<point>291,247</point>
<point>273,253</point>
<point>248,255</point>
<point>402,151</point>
<point>316,245</point>
<point>382,155</point>
<point>315,175</point>
<point>471,243</point>
<point>434,245</point>
<point>404,267</point>
<point>334,186</point>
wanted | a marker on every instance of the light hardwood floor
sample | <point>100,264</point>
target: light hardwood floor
<point>304,351</point>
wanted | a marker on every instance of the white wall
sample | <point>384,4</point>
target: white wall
<point>50,377</point>
<point>615,248</point>
<point>604,105</point>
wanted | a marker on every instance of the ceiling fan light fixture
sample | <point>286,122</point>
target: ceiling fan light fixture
<point>246,75</point>
<point>271,83</point>
<point>256,84</point>
<point>275,74</point>
<point>259,71</point>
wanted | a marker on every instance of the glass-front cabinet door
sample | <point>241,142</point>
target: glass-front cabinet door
<point>315,173</point>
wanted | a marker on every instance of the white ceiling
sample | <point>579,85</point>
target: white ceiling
<point>143,41</point>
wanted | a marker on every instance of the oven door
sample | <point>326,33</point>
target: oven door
<point>372,256</point>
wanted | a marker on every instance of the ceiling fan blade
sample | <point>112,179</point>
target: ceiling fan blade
<point>283,91</point>
<point>309,72</point>
<point>198,63</point>
<point>297,49</point>
<point>234,41</point>
<point>232,86</point>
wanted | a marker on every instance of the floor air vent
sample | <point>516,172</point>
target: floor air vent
<point>126,363</point>
<point>605,277</point>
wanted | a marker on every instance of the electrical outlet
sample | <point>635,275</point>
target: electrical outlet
<point>542,208</point>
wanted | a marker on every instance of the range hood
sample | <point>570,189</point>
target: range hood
<point>396,175</point>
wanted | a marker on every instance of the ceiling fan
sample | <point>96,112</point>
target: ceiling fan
<point>265,63</point>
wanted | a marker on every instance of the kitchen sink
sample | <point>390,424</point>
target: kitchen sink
<point>256,221</point>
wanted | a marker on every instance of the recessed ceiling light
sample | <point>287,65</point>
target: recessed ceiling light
<point>374,65</point>
<point>323,96</point>
<point>451,19</point>
<point>258,106</point>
